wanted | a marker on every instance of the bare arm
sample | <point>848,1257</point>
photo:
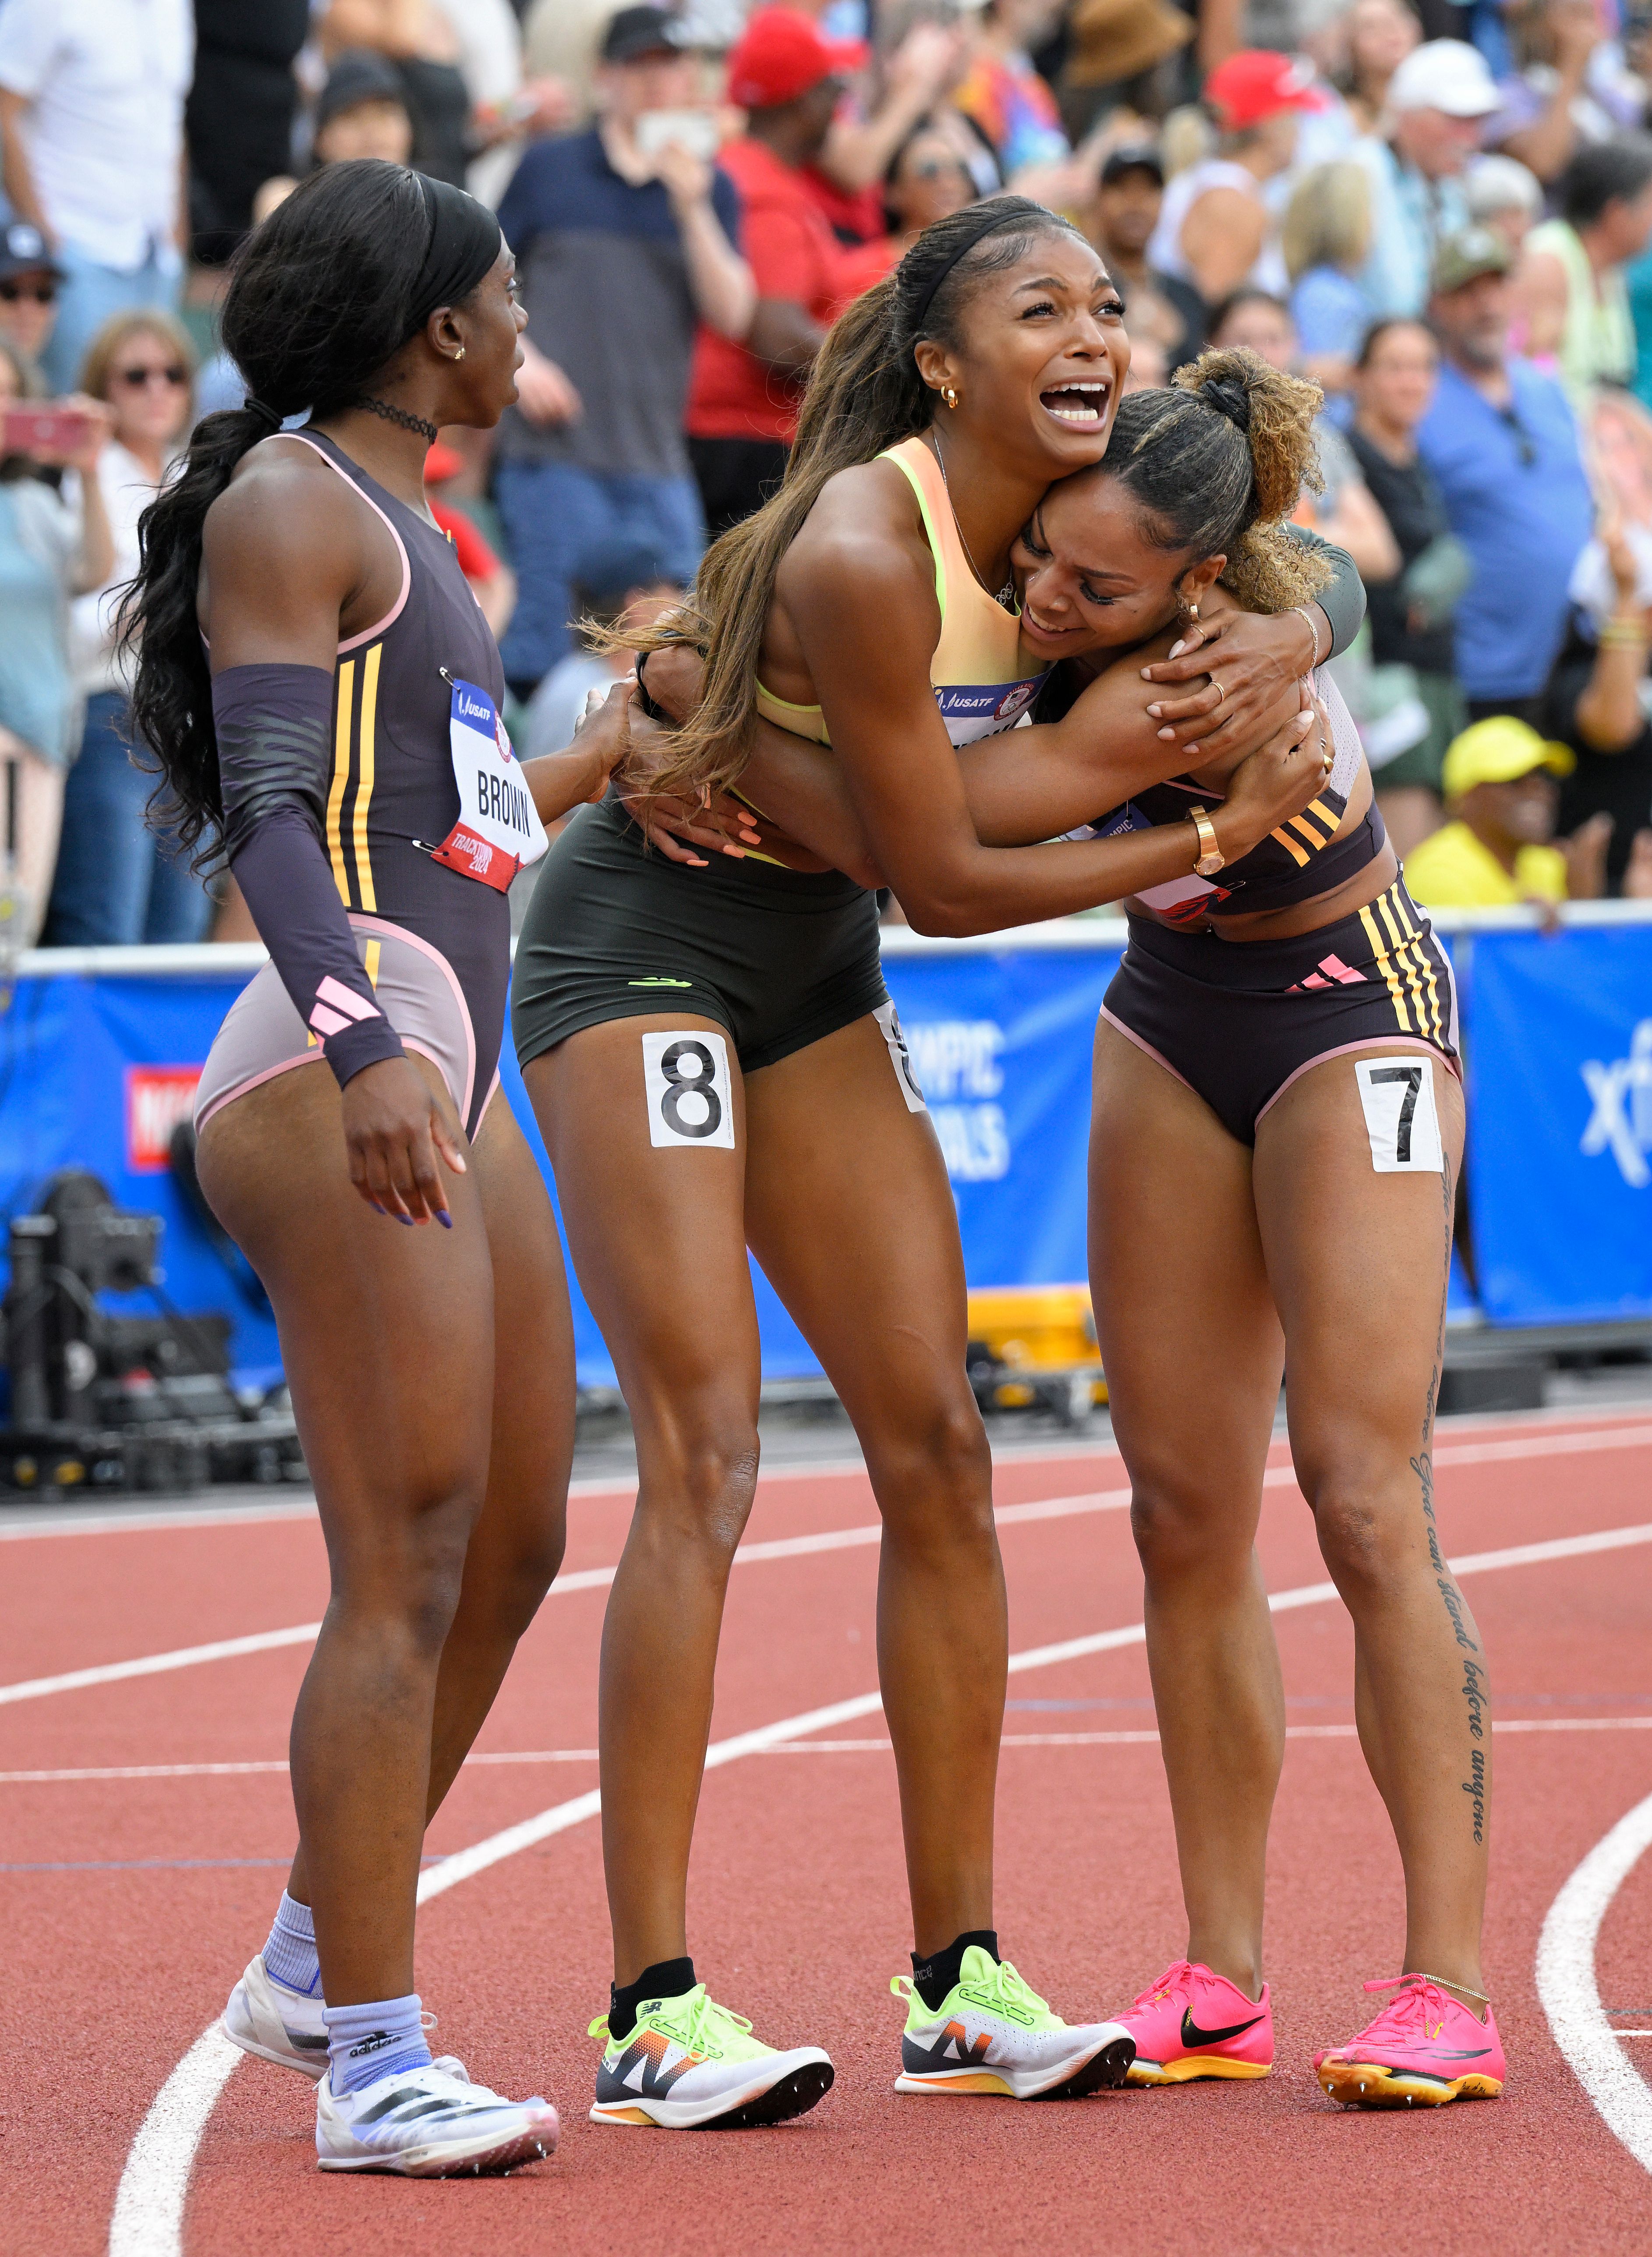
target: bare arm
<point>784,334</point>
<point>1547,146</point>
<point>1222,240</point>
<point>16,172</point>
<point>719,279</point>
<point>856,150</point>
<point>1609,715</point>
<point>1358,525</point>
<point>1540,292</point>
<point>862,606</point>
<point>1024,785</point>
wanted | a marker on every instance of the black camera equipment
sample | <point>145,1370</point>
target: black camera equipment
<point>121,1402</point>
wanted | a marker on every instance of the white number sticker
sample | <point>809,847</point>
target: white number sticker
<point>1404,1128</point>
<point>690,1100</point>
<point>900,1057</point>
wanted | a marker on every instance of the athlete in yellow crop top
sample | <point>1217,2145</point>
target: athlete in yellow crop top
<point>716,1066</point>
<point>983,679</point>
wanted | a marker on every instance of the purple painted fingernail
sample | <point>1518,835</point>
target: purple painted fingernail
<point>407,1218</point>
<point>444,1218</point>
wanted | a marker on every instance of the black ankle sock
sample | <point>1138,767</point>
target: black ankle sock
<point>668,1978</point>
<point>933,1978</point>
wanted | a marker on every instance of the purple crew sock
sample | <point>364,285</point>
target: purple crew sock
<point>383,2038</point>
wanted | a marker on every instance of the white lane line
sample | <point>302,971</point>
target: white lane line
<point>148,2220</point>
<point>18,1522</point>
<point>845,1540</point>
<point>149,2207</point>
<point>578,1579</point>
<point>793,1748</point>
<point>1570,1992</point>
<point>273,1764</point>
<point>154,1664</point>
<point>21,1522</point>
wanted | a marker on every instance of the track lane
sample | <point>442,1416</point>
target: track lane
<point>746,1846</point>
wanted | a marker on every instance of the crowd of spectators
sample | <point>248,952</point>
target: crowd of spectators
<point>1441,212</point>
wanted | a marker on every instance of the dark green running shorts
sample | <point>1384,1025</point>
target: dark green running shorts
<point>778,957</point>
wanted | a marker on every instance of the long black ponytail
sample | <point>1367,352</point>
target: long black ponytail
<point>324,293</point>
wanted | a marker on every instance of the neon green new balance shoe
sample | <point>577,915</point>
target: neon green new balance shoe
<point>688,2062</point>
<point>992,2033</point>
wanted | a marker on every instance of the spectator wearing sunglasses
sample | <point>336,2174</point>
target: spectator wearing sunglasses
<point>119,883</point>
<point>30,281</point>
<point>1501,443</point>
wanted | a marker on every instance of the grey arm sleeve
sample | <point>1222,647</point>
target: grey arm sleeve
<point>274,727</point>
<point>1342,601</point>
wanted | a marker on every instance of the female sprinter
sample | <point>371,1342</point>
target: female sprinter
<point>716,1063</point>
<point>1269,1054</point>
<point>350,698</point>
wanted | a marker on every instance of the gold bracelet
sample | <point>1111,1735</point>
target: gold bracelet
<point>1622,634</point>
<point>1210,858</point>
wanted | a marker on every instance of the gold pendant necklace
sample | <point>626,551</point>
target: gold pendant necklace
<point>1006,596</point>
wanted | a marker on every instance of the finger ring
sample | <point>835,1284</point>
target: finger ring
<point>1221,694</point>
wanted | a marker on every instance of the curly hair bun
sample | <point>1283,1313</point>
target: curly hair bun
<point>1275,412</point>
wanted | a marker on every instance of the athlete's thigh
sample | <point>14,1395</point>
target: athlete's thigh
<point>849,1212</point>
<point>1358,1252</point>
<point>651,1174</point>
<point>386,1331</point>
<point>532,1447</point>
<point>1189,1340</point>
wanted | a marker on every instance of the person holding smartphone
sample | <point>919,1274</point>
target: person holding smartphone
<point>625,236</point>
<point>55,542</point>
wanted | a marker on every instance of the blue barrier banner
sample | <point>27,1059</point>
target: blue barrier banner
<point>96,1066</point>
<point>1001,1048</point>
<point>94,1073</point>
<point>1559,1049</point>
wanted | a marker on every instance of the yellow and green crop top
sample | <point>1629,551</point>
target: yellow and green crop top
<point>979,671</point>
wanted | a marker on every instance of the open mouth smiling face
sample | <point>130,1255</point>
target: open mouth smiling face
<point>1084,403</point>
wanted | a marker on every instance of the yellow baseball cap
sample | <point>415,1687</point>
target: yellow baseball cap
<point>1497,750</point>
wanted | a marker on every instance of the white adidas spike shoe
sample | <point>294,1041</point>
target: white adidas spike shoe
<point>429,2123</point>
<point>265,2017</point>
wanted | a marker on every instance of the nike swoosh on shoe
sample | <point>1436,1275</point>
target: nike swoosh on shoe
<point>1193,2037</point>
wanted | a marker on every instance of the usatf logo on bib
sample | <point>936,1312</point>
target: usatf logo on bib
<point>975,710</point>
<point>499,829</point>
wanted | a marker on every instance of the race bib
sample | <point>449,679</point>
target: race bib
<point>499,828</point>
<point>1397,1096</point>
<point>689,1098</point>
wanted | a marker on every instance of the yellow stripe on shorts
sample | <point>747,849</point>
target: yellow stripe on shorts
<point>1387,969</point>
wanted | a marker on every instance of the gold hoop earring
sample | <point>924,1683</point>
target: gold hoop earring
<point>460,354</point>
<point>1189,611</point>
<point>950,394</point>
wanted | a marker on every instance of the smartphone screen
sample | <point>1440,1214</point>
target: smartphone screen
<point>694,129</point>
<point>37,430</point>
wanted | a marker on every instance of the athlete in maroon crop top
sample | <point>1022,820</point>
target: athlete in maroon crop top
<point>344,752</point>
<point>1277,1136</point>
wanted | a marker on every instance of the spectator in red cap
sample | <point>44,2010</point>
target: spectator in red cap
<point>743,398</point>
<point>1215,230</point>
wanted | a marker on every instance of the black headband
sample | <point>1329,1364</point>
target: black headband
<point>463,246</point>
<point>1025,212</point>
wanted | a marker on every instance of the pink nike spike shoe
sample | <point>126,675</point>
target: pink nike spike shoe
<point>1424,2049</point>
<point>1191,2023</point>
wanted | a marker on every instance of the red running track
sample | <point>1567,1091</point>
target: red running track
<point>133,1902</point>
